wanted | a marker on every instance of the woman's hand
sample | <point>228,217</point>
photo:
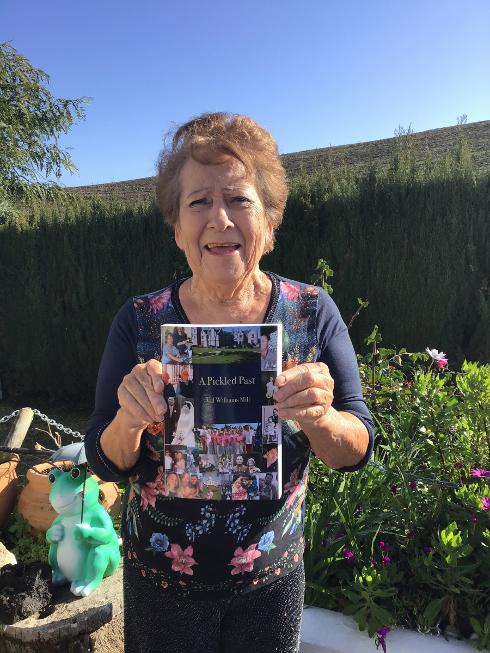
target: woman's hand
<point>305,393</point>
<point>140,395</point>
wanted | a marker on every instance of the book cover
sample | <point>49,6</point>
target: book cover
<point>221,435</point>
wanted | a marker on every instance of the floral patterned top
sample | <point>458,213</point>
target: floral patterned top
<point>200,546</point>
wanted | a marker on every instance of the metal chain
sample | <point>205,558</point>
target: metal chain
<point>46,419</point>
<point>9,417</point>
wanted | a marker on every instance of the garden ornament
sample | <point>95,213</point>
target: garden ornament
<point>83,548</point>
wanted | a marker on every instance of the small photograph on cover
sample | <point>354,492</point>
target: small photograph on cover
<point>181,430</point>
<point>171,484</point>
<point>208,463</point>
<point>211,487</point>
<point>178,382</point>
<point>267,485</point>
<point>268,348</point>
<point>227,344</point>
<point>268,388</point>
<point>226,439</point>
<point>239,464</point>
<point>270,456</point>
<point>225,468</point>
<point>176,344</point>
<point>270,425</point>
<point>177,461</point>
<point>189,486</point>
<point>254,460</point>
<point>245,487</point>
<point>193,461</point>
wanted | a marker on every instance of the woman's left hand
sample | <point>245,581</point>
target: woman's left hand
<point>305,393</point>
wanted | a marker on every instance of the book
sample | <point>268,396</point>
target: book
<point>221,436</point>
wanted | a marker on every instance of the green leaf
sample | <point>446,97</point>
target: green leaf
<point>432,610</point>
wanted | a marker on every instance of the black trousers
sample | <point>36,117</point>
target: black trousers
<point>265,620</point>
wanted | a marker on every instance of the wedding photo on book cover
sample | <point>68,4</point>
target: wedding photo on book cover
<point>221,436</point>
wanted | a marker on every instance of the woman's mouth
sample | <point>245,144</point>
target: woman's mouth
<point>222,249</point>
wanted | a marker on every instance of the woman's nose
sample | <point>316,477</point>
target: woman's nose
<point>219,215</point>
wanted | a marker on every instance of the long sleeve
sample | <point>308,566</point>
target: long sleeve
<point>118,359</point>
<point>337,352</point>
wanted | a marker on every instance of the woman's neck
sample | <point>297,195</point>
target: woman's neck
<point>241,303</point>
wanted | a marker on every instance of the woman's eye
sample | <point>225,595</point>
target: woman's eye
<point>202,200</point>
<point>239,199</point>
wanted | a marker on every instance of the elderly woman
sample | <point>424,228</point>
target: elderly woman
<point>220,586</point>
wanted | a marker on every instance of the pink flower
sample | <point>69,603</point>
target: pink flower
<point>485,503</point>
<point>243,561</point>
<point>385,560</point>
<point>441,363</point>
<point>380,637</point>
<point>480,473</point>
<point>348,554</point>
<point>158,301</point>
<point>384,546</point>
<point>290,291</point>
<point>393,488</point>
<point>182,561</point>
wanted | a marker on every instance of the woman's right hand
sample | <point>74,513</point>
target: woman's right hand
<point>140,395</point>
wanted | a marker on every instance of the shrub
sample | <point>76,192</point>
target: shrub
<point>406,540</point>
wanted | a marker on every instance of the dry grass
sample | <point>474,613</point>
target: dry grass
<point>358,155</point>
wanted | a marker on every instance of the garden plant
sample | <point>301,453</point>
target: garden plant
<point>406,540</point>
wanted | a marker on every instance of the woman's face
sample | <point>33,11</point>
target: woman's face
<point>185,479</point>
<point>222,228</point>
<point>172,481</point>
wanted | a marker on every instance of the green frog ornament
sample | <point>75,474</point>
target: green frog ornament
<point>83,552</point>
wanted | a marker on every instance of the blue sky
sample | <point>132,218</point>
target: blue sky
<point>315,73</point>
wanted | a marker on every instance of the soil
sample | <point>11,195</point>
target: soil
<point>25,589</point>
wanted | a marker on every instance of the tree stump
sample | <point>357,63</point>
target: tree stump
<point>76,625</point>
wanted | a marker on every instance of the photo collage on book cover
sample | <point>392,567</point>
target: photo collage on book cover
<point>221,435</point>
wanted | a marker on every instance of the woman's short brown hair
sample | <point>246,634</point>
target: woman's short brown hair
<point>206,139</point>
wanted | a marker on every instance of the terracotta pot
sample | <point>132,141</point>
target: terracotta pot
<point>8,488</point>
<point>34,503</point>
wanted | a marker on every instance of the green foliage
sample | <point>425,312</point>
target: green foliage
<point>410,239</point>
<point>27,547</point>
<point>324,273</point>
<point>31,120</point>
<point>406,540</point>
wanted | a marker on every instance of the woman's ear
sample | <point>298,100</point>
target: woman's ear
<point>269,238</point>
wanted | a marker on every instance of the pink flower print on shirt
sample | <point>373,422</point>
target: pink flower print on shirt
<point>182,560</point>
<point>150,491</point>
<point>290,291</point>
<point>158,301</point>
<point>243,561</point>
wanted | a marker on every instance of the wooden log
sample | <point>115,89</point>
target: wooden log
<point>18,432</point>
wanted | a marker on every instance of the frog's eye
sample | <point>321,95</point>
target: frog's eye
<point>75,472</point>
<point>51,477</point>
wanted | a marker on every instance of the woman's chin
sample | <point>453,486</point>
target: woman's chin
<point>223,271</point>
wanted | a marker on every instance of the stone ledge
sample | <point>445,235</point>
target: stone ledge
<point>325,631</point>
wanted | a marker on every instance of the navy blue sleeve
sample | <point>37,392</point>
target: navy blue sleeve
<point>337,352</point>
<point>118,359</point>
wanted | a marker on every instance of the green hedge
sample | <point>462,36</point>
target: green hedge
<point>414,241</point>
